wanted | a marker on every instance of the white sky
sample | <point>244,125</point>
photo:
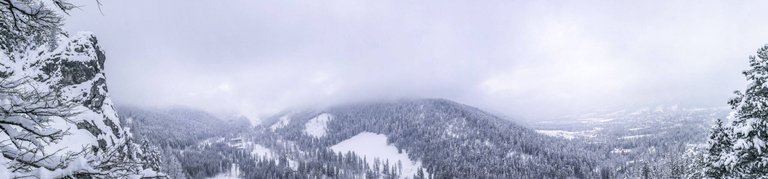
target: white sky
<point>519,58</point>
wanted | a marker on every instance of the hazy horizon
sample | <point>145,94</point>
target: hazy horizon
<point>527,59</point>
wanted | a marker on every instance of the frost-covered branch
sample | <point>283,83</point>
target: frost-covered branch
<point>26,115</point>
<point>25,21</point>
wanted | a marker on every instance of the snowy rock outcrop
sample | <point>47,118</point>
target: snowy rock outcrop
<point>74,67</point>
<point>77,68</point>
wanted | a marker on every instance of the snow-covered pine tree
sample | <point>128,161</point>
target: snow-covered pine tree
<point>151,156</point>
<point>695,162</point>
<point>748,157</point>
<point>719,143</point>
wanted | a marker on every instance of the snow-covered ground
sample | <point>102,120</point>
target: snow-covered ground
<point>261,151</point>
<point>635,136</point>
<point>318,126</point>
<point>569,134</point>
<point>372,145</point>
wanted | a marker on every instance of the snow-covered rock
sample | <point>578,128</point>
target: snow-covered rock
<point>75,67</point>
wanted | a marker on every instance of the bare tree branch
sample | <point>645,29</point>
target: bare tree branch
<point>26,114</point>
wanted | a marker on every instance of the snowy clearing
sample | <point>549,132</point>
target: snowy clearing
<point>372,145</point>
<point>568,134</point>
<point>261,151</point>
<point>318,126</point>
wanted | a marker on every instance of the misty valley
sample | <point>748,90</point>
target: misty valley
<point>382,90</point>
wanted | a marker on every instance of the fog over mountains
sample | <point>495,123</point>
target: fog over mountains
<point>533,59</point>
<point>382,89</point>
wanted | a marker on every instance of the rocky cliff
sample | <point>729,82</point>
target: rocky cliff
<point>74,68</point>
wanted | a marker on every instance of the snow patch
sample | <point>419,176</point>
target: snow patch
<point>569,134</point>
<point>372,145</point>
<point>635,136</point>
<point>284,121</point>
<point>261,151</point>
<point>621,151</point>
<point>318,126</point>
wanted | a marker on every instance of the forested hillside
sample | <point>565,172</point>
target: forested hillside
<point>658,142</point>
<point>416,138</point>
<point>451,140</point>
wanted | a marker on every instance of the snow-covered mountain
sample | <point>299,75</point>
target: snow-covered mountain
<point>414,138</point>
<point>73,68</point>
<point>419,137</point>
<point>446,138</point>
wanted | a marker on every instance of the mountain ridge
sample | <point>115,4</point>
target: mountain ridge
<point>420,125</point>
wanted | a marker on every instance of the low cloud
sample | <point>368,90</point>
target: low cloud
<point>530,59</point>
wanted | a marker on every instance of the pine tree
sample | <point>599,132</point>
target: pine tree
<point>749,158</point>
<point>420,174</point>
<point>719,144</point>
<point>646,172</point>
<point>695,162</point>
<point>171,165</point>
<point>150,156</point>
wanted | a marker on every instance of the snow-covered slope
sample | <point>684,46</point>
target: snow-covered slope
<point>449,139</point>
<point>284,121</point>
<point>317,127</point>
<point>374,146</point>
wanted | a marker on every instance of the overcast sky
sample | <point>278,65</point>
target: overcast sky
<point>519,58</point>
